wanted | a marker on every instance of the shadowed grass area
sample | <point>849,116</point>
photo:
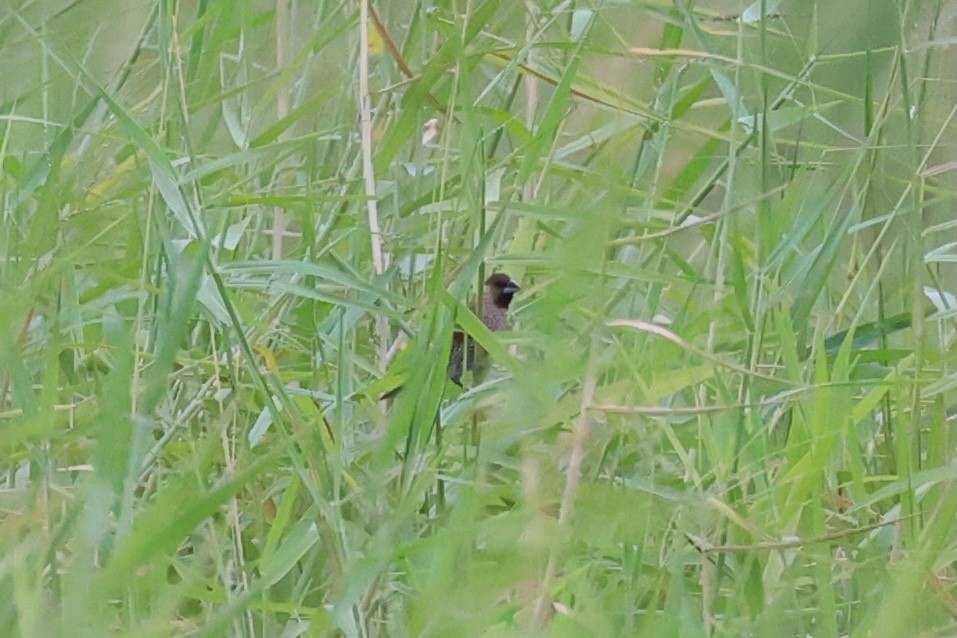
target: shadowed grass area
<point>725,408</point>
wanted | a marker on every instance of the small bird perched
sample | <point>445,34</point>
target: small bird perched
<point>464,355</point>
<point>499,290</point>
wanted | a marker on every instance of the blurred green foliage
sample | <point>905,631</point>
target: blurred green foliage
<point>726,407</point>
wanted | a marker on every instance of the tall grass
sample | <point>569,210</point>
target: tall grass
<point>727,404</point>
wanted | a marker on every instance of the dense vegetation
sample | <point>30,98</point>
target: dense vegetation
<point>726,407</point>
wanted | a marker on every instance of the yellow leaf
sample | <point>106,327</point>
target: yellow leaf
<point>269,359</point>
<point>376,41</point>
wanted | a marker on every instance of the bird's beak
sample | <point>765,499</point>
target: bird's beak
<point>511,288</point>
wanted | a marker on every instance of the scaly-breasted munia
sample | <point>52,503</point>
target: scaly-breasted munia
<point>499,290</point>
<point>464,355</point>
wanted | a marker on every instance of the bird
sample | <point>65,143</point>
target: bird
<point>465,356</point>
<point>499,291</point>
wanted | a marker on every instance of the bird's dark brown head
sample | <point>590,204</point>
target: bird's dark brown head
<point>501,288</point>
